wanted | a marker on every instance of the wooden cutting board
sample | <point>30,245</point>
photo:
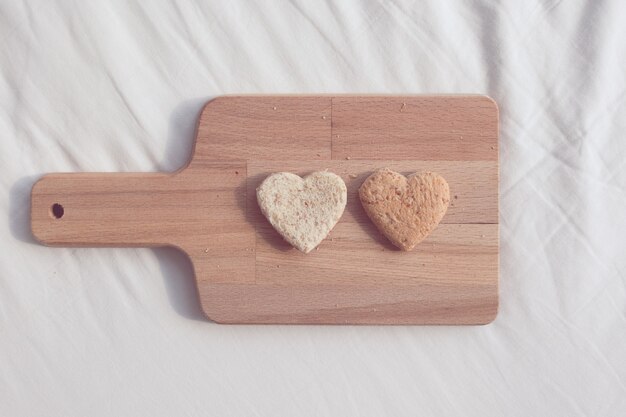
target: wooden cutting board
<point>245,272</point>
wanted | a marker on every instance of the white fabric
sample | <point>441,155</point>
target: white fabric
<point>117,86</point>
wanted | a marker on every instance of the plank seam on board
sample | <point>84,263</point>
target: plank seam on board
<point>256,235</point>
<point>471,223</point>
<point>332,147</point>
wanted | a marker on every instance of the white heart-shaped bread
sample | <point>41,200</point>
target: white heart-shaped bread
<point>302,210</point>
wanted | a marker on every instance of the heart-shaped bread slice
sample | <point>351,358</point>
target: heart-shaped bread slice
<point>405,209</point>
<point>303,210</point>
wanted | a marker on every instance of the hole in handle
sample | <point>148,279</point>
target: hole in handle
<point>57,210</point>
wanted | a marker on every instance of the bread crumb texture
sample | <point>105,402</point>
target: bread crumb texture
<point>405,210</point>
<point>302,210</point>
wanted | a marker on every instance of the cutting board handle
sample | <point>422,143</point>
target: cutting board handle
<point>101,209</point>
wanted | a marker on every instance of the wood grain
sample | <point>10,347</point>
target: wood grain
<point>450,128</point>
<point>245,272</point>
<point>275,127</point>
<point>352,304</point>
<point>355,253</point>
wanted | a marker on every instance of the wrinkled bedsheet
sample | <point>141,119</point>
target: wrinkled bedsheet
<point>118,86</point>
